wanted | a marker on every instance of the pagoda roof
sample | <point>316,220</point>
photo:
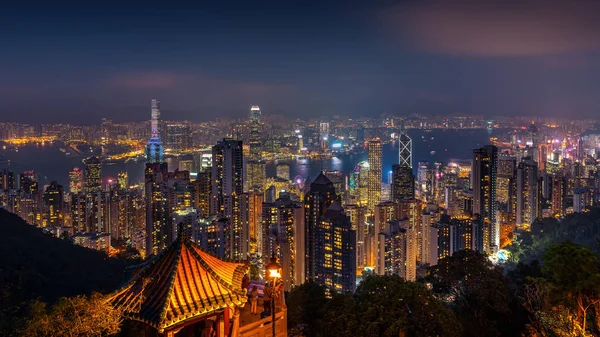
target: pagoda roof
<point>182,283</point>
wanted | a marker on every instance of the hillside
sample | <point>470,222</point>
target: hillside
<point>34,265</point>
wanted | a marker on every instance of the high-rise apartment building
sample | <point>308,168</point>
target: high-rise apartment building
<point>93,175</point>
<point>28,182</point>
<point>320,196</point>
<point>159,211</point>
<point>484,175</point>
<point>227,187</point>
<point>527,193</point>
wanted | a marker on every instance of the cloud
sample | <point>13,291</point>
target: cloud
<point>510,28</point>
<point>148,80</point>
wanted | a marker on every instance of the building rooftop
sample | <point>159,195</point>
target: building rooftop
<point>181,284</point>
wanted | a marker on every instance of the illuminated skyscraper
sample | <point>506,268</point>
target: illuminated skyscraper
<point>484,175</point>
<point>324,135</point>
<point>256,172</point>
<point>255,138</point>
<point>340,183</point>
<point>29,183</point>
<point>76,181</point>
<point>202,190</point>
<point>375,174</point>
<point>506,183</point>
<point>335,251</point>
<point>283,171</point>
<point>159,211</point>
<point>397,251</point>
<point>278,234</point>
<point>54,202</point>
<point>93,175</point>
<point>527,193</point>
<point>405,150</point>
<point>403,183</point>
<point>154,148</point>
<point>255,167</point>
<point>319,197</point>
<point>178,136</point>
<point>227,187</point>
<point>7,180</point>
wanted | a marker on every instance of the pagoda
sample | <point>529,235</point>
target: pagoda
<point>185,291</point>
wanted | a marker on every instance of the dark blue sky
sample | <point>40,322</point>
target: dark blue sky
<point>81,61</point>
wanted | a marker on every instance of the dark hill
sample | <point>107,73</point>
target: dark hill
<point>34,265</point>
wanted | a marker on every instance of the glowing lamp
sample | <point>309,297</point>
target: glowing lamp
<point>274,268</point>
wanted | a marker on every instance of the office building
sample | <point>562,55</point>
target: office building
<point>403,183</point>
<point>154,148</point>
<point>375,174</point>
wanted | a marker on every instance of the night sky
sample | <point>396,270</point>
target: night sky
<point>81,61</point>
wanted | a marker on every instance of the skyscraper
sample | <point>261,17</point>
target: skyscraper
<point>255,139</point>
<point>76,181</point>
<point>7,180</point>
<point>154,148</point>
<point>93,175</point>
<point>484,175</point>
<point>335,251</point>
<point>319,197</point>
<point>227,187</point>
<point>28,182</point>
<point>178,136</point>
<point>255,167</point>
<point>405,150</point>
<point>527,193</point>
<point>403,183</point>
<point>227,175</point>
<point>375,174</point>
<point>159,211</point>
<point>54,202</point>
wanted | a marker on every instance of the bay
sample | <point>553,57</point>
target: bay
<point>52,164</point>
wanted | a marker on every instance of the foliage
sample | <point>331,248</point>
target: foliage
<point>78,316</point>
<point>35,266</point>
<point>565,301</point>
<point>479,294</point>
<point>388,305</point>
<point>306,306</point>
<point>382,306</point>
<point>580,228</point>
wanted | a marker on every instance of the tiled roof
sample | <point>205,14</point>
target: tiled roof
<point>183,282</point>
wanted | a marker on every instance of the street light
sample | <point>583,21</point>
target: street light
<point>274,273</point>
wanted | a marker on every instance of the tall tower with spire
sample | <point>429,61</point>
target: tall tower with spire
<point>154,148</point>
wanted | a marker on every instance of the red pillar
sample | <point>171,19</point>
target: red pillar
<point>226,319</point>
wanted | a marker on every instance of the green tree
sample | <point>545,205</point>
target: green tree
<point>478,292</point>
<point>390,306</point>
<point>574,273</point>
<point>78,316</point>
<point>306,307</point>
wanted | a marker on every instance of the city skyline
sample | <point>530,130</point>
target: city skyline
<point>299,59</point>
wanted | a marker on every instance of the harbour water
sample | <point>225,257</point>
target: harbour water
<point>437,145</point>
